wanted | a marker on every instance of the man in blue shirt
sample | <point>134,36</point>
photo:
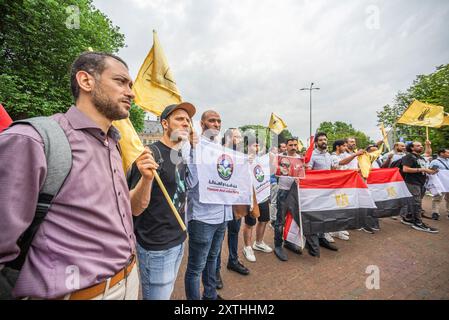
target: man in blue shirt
<point>440,163</point>
<point>206,224</point>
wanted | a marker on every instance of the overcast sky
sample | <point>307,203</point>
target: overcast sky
<point>248,58</point>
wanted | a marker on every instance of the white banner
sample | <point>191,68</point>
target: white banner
<point>260,173</point>
<point>223,175</point>
<point>438,183</point>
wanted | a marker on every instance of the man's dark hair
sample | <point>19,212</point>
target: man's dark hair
<point>279,145</point>
<point>91,62</point>
<point>338,143</point>
<point>318,135</point>
<point>443,150</point>
<point>291,139</point>
<point>347,139</point>
<point>409,147</point>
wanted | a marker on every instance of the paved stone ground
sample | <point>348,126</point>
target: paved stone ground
<point>412,264</point>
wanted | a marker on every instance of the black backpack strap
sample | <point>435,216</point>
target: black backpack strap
<point>59,163</point>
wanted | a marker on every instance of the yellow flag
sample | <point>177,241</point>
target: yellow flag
<point>366,160</point>
<point>423,114</point>
<point>445,121</point>
<point>155,87</point>
<point>277,125</point>
<point>300,145</point>
<point>385,136</point>
<point>130,145</point>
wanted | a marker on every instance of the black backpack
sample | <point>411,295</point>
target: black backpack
<point>59,163</point>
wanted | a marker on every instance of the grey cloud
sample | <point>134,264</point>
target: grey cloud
<point>247,59</point>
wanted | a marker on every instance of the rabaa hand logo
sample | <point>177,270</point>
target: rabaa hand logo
<point>258,173</point>
<point>225,167</point>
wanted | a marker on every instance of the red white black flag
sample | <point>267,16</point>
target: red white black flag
<point>389,191</point>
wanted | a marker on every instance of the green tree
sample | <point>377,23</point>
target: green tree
<point>432,88</point>
<point>137,117</point>
<point>38,42</point>
<point>341,130</point>
<point>262,131</point>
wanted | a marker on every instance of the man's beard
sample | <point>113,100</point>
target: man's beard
<point>106,106</point>
<point>323,146</point>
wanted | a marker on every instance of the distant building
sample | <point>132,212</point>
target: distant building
<point>152,132</point>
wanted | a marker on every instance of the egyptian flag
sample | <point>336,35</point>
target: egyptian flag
<point>310,150</point>
<point>293,223</point>
<point>389,192</point>
<point>331,201</point>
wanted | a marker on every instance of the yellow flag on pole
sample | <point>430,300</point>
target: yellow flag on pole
<point>366,160</point>
<point>130,145</point>
<point>385,136</point>
<point>445,121</point>
<point>422,114</point>
<point>155,87</point>
<point>277,125</point>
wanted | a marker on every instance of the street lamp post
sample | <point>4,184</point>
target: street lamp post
<point>310,91</point>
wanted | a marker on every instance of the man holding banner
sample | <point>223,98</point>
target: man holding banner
<point>321,160</point>
<point>285,184</point>
<point>260,175</point>
<point>206,221</point>
<point>233,140</point>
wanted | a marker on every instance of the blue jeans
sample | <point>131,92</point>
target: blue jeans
<point>233,243</point>
<point>158,271</point>
<point>205,241</point>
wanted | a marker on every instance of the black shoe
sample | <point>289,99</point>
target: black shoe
<point>238,267</point>
<point>219,281</point>
<point>313,252</point>
<point>280,253</point>
<point>292,247</point>
<point>326,244</point>
<point>423,227</point>
<point>435,216</point>
<point>407,222</point>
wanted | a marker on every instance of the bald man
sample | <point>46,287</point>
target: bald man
<point>206,224</point>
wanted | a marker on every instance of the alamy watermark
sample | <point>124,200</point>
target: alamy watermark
<point>73,19</point>
<point>373,280</point>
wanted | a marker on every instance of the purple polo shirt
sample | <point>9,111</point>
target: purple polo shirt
<point>88,229</point>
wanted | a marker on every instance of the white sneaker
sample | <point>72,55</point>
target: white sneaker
<point>340,235</point>
<point>345,232</point>
<point>329,238</point>
<point>262,246</point>
<point>249,254</point>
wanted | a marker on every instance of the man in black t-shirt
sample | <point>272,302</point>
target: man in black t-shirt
<point>415,170</point>
<point>160,239</point>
